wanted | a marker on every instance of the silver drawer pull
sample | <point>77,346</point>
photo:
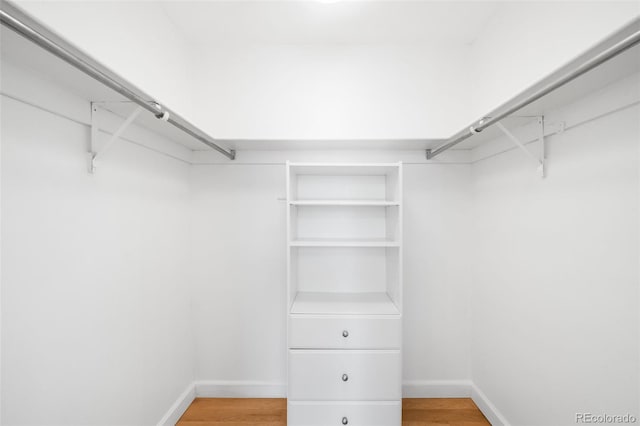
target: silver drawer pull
<point>345,333</point>
<point>345,420</point>
<point>344,379</point>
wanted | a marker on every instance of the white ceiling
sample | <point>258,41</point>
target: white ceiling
<point>314,21</point>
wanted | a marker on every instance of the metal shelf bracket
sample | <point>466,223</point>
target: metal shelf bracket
<point>540,160</point>
<point>94,153</point>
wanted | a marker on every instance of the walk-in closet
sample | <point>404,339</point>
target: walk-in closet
<point>319,212</point>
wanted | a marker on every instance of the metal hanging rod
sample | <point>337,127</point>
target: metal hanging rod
<point>13,18</point>
<point>622,40</point>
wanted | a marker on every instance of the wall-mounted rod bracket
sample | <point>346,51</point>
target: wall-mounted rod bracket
<point>96,153</point>
<point>540,160</point>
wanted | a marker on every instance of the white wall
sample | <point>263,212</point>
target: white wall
<point>238,272</point>
<point>555,295</point>
<point>527,40</point>
<point>95,301</point>
<point>437,202</point>
<point>136,39</point>
<point>331,91</point>
<point>238,262</point>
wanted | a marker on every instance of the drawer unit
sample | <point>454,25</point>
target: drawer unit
<point>344,375</point>
<point>345,332</point>
<point>382,413</point>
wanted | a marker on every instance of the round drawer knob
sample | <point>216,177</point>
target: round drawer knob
<point>345,378</point>
<point>345,333</point>
<point>345,420</point>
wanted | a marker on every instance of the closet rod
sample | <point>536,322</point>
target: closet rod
<point>617,43</point>
<point>20,22</point>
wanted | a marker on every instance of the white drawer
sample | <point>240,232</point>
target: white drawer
<point>379,413</point>
<point>344,332</point>
<point>343,375</point>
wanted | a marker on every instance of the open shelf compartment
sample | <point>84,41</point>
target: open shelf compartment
<point>350,223</point>
<point>348,184</point>
<point>345,274</point>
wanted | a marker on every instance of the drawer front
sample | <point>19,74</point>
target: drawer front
<point>338,332</point>
<point>339,413</point>
<point>344,375</point>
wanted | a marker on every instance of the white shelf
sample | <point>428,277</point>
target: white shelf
<point>337,242</point>
<point>343,169</point>
<point>357,203</point>
<point>343,303</point>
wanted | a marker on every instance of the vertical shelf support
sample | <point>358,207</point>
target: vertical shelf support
<point>541,159</point>
<point>543,147</point>
<point>96,154</point>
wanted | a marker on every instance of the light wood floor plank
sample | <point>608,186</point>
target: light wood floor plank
<point>273,412</point>
<point>438,403</point>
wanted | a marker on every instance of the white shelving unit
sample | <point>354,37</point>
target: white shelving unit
<point>344,294</point>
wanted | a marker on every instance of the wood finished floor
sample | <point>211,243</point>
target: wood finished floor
<point>273,412</point>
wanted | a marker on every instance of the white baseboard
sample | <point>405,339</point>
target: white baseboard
<point>488,409</point>
<point>436,389</point>
<point>240,389</point>
<point>179,407</point>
